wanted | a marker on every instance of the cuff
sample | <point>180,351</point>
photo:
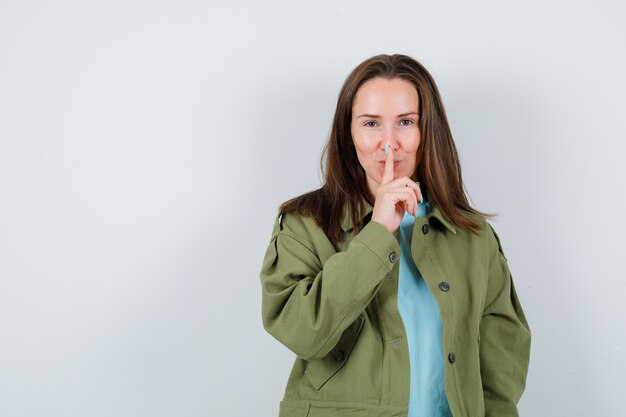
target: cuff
<point>381,242</point>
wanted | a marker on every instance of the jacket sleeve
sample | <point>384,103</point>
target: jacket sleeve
<point>306,305</point>
<point>504,338</point>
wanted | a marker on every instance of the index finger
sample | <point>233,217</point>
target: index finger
<point>388,173</point>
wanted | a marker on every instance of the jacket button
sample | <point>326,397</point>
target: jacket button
<point>452,357</point>
<point>339,355</point>
<point>426,228</point>
<point>444,286</point>
<point>393,257</point>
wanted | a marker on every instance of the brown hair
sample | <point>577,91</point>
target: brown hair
<point>438,168</point>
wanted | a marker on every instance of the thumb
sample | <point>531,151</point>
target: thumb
<point>388,172</point>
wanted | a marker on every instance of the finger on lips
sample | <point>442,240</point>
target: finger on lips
<point>388,176</point>
<point>388,172</point>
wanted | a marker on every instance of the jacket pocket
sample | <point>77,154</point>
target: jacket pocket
<point>319,371</point>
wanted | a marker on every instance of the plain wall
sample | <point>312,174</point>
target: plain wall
<point>145,147</point>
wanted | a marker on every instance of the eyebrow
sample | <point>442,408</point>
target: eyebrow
<point>374,116</point>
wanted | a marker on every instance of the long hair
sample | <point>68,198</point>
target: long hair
<point>437,167</point>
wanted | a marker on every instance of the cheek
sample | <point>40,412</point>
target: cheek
<point>413,137</point>
<point>413,144</point>
<point>364,145</point>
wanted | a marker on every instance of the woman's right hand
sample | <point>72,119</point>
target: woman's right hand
<point>394,197</point>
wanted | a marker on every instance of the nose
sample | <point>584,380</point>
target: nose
<point>392,144</point>
<point>389,137</point>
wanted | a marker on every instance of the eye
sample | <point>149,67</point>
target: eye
<point>367,123</point>
<point>406,120</point>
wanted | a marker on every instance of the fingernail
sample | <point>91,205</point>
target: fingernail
<point>386,149</point>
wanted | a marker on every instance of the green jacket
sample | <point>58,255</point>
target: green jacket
<point>335,307</point>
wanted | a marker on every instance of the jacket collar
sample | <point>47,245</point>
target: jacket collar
<point>346,221</point>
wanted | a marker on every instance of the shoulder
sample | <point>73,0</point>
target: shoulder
<point>487,235</point>
<point>485,229</point>
<point>292,223</point>
<point>494,240</point>
<point>291,215</point>
<point>299,227</point>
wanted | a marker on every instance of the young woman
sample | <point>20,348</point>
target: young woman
<point>393,293</point>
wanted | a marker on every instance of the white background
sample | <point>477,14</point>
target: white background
<point>146,145</point>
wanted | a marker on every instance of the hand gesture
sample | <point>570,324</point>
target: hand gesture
<point>394,197</point>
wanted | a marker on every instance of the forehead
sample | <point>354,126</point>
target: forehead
<point>380,93</point>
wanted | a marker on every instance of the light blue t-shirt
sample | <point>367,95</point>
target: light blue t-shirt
<point>420,314</point>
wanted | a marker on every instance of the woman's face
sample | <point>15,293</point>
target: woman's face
<point>386,111</point>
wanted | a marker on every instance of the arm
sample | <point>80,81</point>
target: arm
<point>305,305</point>
<point>504,338</point>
